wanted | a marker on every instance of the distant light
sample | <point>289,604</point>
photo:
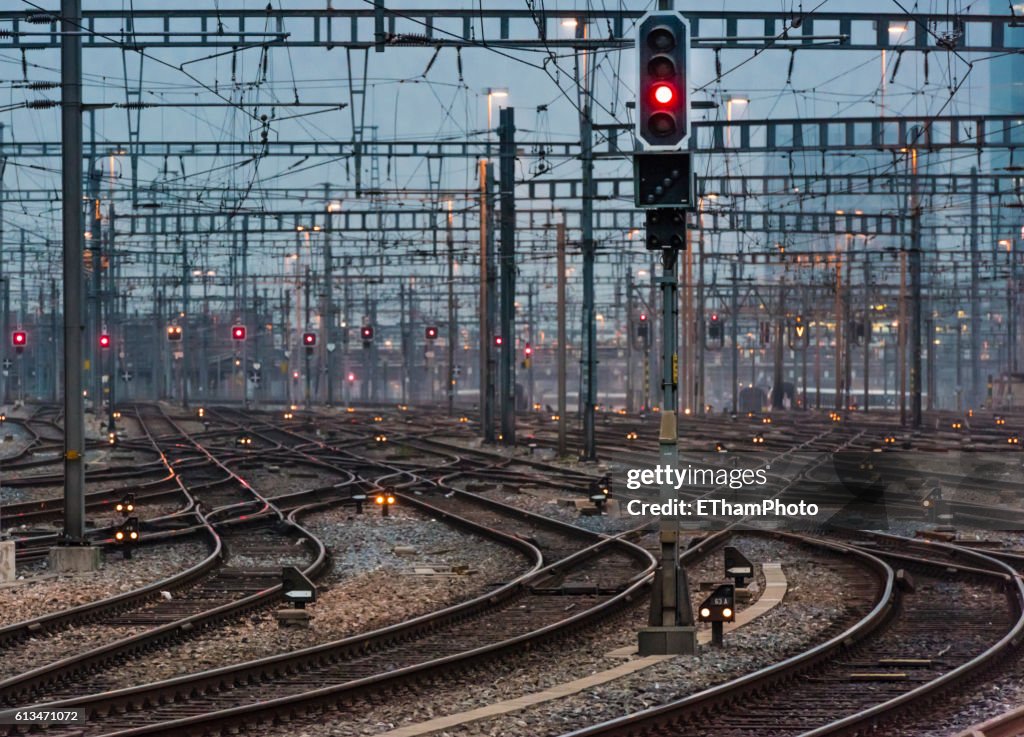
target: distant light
<point>897,28</point>
<point>570,23</point>
<point>497,91</point>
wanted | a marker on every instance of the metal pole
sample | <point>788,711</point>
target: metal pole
<point>915,281</point>
<point>307,396</point>
<point>630,336</point>
<point>562,337</point>
<point>589,358</point>
<point>973,397</point>
<point>55,339</point>
<point>116,332</point>
<point>530,338</point>
<point>185,322</point>
<point>672,610</point>
<point>71,191</point>
<point>453,327</point>
<point>507,153</point>
<point>840,333</point>
<point>901,338</point>
<point>867,332</point>
<point>701,327</point>
<point>4,352</point>
<point>486,301</point>
<point>735,336</point>
<point>780,336</point>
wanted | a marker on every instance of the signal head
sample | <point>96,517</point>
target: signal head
<point>309,339</point>
<point>19,338</point>
<point>104,341</point>
<point>238,332</point>
<point>662,45</point>
<point>431,332</point>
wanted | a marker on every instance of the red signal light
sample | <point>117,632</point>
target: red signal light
<point>498,341</point>
<point>643,317</point>
<point>664,94</point>
<point>528,349</point>
<point>367,332</point>
<point>714,317</point>
<point>238,332</point>
<point>104,341</point>
<point>19,338</point>
<point>309,339</point>
<point>431,333</point>
<point>351,376</point>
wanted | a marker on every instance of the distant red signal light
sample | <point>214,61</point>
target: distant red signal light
<point>367,332</point>
<point>238,332</point>
<point>498,340</point>
<point>431,332</point>
<point>19,338</point>
<point>309,339</point>
<point>104,341</point>
<point>528,349</point>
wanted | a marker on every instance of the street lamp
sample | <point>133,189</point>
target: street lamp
<point>493,92</point>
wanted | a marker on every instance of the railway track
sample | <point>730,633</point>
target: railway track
<point>853,682</point>
<point>241,572</point>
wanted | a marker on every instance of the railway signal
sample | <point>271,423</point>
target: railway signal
<point>662,45</point>
<point>718,609</point>
<point>238,332</point>
<point>666,228</point>
<point>19,339</point>
<point>385,501</point>
<point>359,498</point>
<point>127,535</point>
<point>527,355</point>
<point>498,341</point>
<point>366,333</point>
<point>431,332</point>
<point>799,335</point>
<point>104,341</point>
<point>309,342</point>
<point>716,331</point>
<point>296,588</point>
<point>737,567</point>
<point>642,329</point>
<point>174,333</point>
<point>126,506</point>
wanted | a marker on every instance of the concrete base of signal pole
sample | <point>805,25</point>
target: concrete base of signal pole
<point>74,559</point>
